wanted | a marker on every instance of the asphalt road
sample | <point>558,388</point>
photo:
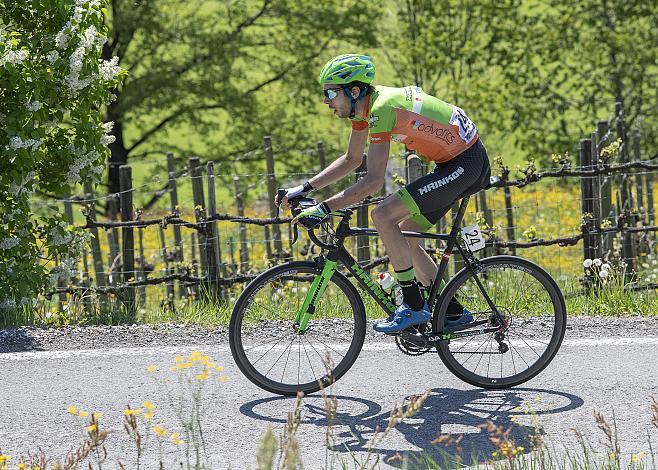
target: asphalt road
<point>615,376</point>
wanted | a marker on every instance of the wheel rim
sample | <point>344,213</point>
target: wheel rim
<point>274,351</point>
<point>515,352</point>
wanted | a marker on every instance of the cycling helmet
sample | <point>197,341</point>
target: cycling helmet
<point>348,68</point>
<point>345,69</point>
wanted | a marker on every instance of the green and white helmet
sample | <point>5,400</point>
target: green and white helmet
<point>348,68</point>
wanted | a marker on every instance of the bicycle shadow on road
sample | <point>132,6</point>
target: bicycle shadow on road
<point>446,414</point>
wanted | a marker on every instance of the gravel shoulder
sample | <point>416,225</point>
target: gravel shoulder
<point>102,337</point>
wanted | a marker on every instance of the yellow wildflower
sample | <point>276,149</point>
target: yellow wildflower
<point>185,365</point>
<point>83,414</point>
<point>205,360</point>
<point>4,458</point>
<point>203,376</point>
<point>148,405</point>
<point>195,356</point>
<point>148,415</point>
<point>91,428</point>
<point>72,409</point>
<point>175,439</point>
<point>494,454</point>
<point>160,431</point>
<point>223,378</point>
<point>97,416</point>
<point>152,368</point>
<point>179,359</point>
<point>21,466</point>
<point>218,368</point>
<point>129,412</point>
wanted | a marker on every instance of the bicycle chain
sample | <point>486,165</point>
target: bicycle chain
<point>410,349</point>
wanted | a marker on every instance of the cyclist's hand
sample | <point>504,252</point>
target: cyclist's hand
<point>312,217</point>
<point>301,190</point>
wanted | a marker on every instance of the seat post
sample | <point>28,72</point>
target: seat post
<point>457,221</point>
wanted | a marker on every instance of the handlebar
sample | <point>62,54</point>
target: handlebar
<point>298,204</point>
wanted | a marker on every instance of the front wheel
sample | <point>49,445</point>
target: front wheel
<point>269,349</point>
<point>530,316</point>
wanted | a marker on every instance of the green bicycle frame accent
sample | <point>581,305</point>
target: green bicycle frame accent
<point>314,293</point>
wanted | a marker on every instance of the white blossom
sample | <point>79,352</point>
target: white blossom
<point>603,274</point>
<point>605,267</point>
<point>62,39</point>
<point>108,69</point>
<point>587,263</point>
<point>597,262</point>
<point>14,57</point>
<point>88,38</point>
<point>34,106</point>
<point>17,143</point>
<point>52,57</point>
<point>83,160</point>
<point>9,243</point>
<point>107,139</point>
<point>108,126</point>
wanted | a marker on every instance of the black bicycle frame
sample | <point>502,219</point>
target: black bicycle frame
<point>339,253</point>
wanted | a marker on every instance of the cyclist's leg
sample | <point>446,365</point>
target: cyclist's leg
<point>424,265</point>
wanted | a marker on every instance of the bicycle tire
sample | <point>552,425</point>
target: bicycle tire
<point>523,324</point>
<point>351,306</point>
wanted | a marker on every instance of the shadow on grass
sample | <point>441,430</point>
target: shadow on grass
<point>446,411</point>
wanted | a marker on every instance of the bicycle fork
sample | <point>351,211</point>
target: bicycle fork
<point>314,293</point>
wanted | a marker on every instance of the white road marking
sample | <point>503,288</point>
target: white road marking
<point>174,350</point>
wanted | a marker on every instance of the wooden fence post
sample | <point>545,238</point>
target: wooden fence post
<point>509,214</point>
<point>362,241</point>
<point>639,179</point>
<point>625,209</point>
<point>194,291</point>
<point>167,269</point>
<point>214,254</point>
<point>200,212</point>
<point>268,247</point>
<point>127,239</point>
<point>586,202</point>
<point>271,191</point>
<point>101,279</point>
<point>321,155</point>
<point>142,266</point>
<point>244,248</point>
<point>173,207</point>
<point>487,214</point>
<point>596,198</point>
<point>608,216</point>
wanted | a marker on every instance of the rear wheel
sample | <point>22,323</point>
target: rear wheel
<point>270,351</point>
<point>531,323</point>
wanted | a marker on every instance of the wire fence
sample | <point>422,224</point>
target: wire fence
<point>602,208</point>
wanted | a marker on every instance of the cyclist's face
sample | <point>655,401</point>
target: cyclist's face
<point>339,104</point>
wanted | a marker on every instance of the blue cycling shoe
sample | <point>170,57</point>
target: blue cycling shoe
<point>466,317</point>
<point>404,318</point>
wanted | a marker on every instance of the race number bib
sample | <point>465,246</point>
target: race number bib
<point>473,238</point>
<point>467,129</point>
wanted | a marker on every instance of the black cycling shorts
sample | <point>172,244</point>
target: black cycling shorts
<point>429,198</point>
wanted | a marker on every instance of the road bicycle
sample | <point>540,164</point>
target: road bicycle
<point>292,317</point>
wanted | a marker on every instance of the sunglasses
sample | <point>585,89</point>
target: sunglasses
<point>331,93</point>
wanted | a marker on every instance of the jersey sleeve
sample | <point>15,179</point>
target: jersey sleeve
<point>359,125</point>
<point>381,122</point>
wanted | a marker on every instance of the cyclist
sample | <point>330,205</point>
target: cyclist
<point>436,130</point>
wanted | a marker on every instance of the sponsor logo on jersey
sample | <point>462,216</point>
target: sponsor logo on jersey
<point>372,121</point>
<point>439,132</point>
<point>442,182</point>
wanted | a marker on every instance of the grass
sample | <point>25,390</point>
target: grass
<point>183,445</point>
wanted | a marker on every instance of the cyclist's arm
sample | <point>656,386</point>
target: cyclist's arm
<point>345,164</point>
<point>371,183</point>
